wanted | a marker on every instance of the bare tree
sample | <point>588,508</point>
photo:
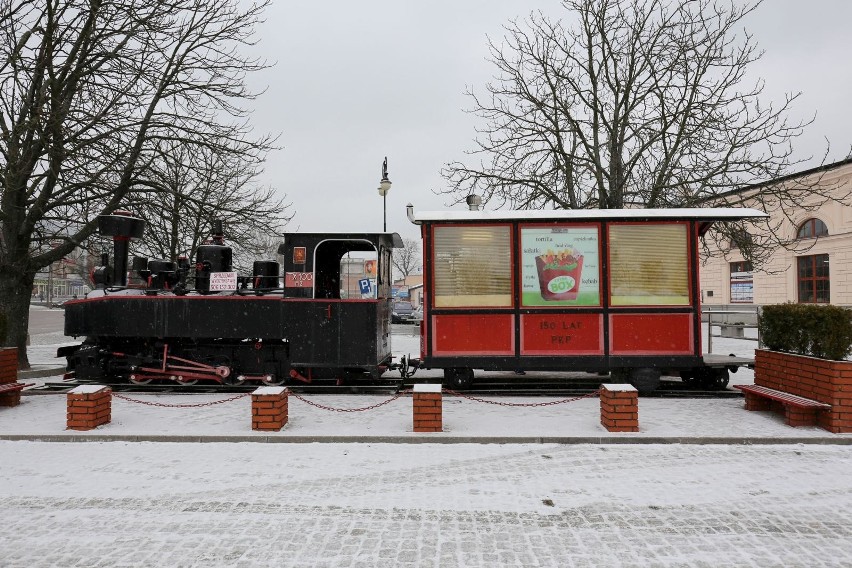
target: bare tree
<point>631,103</point>
<point>407,260</point>
<point>196,185</point>
<point>87,92</point>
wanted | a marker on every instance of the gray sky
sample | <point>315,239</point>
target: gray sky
<point>357,81</point>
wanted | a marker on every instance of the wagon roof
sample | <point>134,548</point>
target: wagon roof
<point>392,240</point>
<point>705,214</point>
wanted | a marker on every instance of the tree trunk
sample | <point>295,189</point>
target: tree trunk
<point>15,292</point>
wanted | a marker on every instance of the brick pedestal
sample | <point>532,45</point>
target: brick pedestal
<point>620,408</point>
<point>9,375</point>
<point>269,408</point>
<point>427,408</point>
<point>89,406</point>
<point>755,402</point>
<point>8,365</point>
<point>800,416</point>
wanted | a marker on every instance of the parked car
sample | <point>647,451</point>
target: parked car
<point>417,316</point>
<point>402,312</point>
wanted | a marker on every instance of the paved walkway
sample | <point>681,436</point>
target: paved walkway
<point>120,504</point>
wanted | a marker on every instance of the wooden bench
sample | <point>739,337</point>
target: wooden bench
<point>10,387</point>
<point>798,410</point>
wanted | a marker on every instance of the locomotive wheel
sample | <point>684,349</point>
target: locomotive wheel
<point>645,379</point>
<point>137,381</point>
<point>275,380</point>
<point>716,379</point>
<point>458,378</point>
<point>689,377</point>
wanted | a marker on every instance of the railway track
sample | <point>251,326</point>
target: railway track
<point>486,387</point>
<point>65,386</point>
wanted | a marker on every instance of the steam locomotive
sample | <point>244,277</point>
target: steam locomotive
<point>229,328</point>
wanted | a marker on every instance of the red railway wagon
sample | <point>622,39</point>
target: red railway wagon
<point>568,290</point>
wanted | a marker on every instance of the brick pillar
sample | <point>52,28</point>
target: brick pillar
<point>620,408</point>
<point>89,406</point>
<point>755,402</point>
<point>8,375</point>
<point>427,408</point>
<point>800,416</point>
<point>8,365</point>
<point>269,408</point>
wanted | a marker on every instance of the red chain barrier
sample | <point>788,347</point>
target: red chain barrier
<point>333,409</point>
<point>592,394</point>
<point>149,403</point>
<point>400,394</point>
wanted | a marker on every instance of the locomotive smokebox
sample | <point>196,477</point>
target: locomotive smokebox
<point>265,274</point>
<point>122,227</point>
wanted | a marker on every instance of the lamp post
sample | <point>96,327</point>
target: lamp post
<point>384,188</point>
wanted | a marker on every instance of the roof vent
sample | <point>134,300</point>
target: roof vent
<point>473,202</point>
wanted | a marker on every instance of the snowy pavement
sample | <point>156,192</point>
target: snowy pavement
<point>782,499</point>
<point>217,504</point>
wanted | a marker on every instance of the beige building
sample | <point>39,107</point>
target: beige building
<point>413,285</point>
<point>818,269</point>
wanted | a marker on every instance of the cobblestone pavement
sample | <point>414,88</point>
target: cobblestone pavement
<point>116,504</point>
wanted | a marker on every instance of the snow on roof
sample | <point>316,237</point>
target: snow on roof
<point>709,213</point>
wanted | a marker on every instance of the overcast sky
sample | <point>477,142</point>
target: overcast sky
<point>354,82</point>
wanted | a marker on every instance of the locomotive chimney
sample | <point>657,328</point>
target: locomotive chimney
<point>122,227</point>
<point>218,233</point>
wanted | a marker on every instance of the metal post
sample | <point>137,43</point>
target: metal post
<point>50,285</point>
<point>384,188</point>
<point>709,331</point>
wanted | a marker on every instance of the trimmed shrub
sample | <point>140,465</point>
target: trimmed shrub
<point>822,331</point>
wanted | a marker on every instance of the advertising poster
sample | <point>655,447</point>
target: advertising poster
<point>560,266</point>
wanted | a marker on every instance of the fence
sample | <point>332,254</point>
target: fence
<point>732,323</point>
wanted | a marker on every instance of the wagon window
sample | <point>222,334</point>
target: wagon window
<point>649,265</point>
<point>472,266</point>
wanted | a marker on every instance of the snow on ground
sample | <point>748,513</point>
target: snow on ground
<point>218,504</point>
<point>119,503</point>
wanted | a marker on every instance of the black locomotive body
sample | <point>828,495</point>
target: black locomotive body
<point>229,328</point>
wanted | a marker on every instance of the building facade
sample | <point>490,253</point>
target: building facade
<point>818,269</point>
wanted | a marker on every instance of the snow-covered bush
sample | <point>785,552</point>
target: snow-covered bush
<point>822,331</point>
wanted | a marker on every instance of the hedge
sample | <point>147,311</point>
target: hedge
<point>821,331</point>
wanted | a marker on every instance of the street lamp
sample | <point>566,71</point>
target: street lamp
<point>384,188</point>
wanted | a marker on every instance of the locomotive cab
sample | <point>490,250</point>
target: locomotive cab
<point>340,286</point>
<point>325,265</point>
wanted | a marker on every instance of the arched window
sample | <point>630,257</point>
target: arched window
<point>812,228</point>
<point>741,239</point>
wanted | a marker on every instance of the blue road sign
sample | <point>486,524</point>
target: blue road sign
<point>364,285</point>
